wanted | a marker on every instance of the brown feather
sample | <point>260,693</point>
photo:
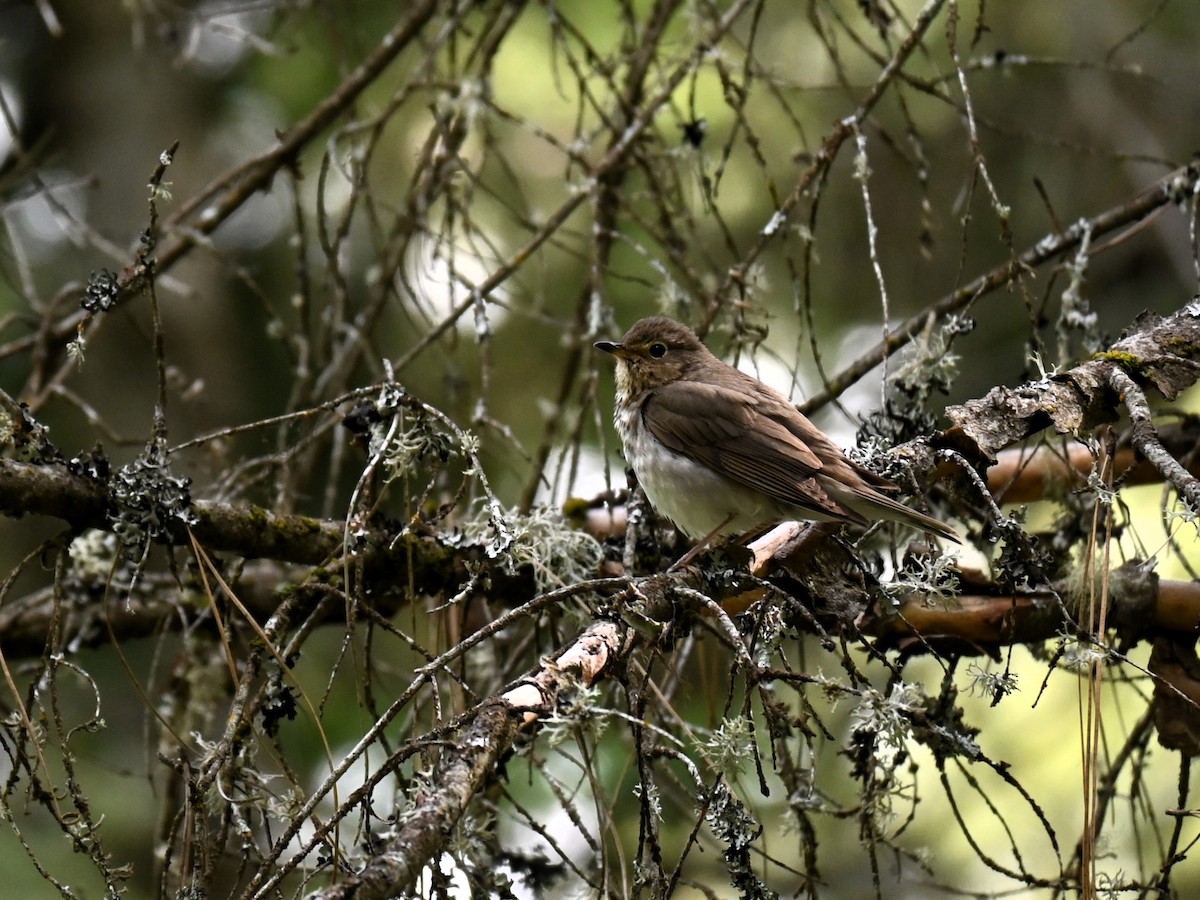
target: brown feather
<point>717,427</point>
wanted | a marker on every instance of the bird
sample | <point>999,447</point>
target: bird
<point>720,453</point>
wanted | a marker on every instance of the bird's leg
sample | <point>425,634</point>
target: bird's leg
<point>701,546</point>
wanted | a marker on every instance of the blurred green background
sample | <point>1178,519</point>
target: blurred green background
<point>1078,106</point>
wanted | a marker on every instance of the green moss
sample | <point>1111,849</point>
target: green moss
<point>575,510</point>
<point>298,525</point>
<point>1127,360</point>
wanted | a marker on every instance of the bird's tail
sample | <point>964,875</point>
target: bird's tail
<point>873,505</point>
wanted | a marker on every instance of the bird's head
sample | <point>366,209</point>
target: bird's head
<point>654,352</point>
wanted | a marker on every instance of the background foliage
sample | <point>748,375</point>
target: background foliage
<point>425,213</point>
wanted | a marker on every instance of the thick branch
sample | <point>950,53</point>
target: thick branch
<point>250,531</point>
<point>1159,352</point>
<point>1138,602</point>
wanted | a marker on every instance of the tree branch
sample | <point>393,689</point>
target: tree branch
<point>1180,183</point>
<point>1162,352</point>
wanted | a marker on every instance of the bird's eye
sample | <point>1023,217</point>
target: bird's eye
<point>658,349</point>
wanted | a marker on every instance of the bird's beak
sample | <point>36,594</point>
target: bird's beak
<point>612,347</point>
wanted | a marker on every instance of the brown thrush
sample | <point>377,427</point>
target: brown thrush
<point>719,453</point>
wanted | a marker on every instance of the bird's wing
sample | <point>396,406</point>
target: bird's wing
<point>750,440</point>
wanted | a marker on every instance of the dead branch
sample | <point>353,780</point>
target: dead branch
<point>470,764</point>
<point>1159,352</point>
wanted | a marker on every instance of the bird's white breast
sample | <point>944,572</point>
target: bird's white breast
<point>691,495</point>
